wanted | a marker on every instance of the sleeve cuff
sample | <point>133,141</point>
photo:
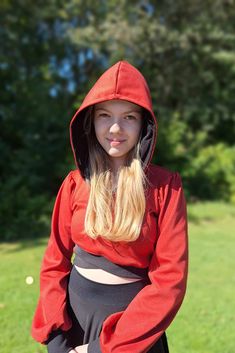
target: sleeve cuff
<point>94,346</point>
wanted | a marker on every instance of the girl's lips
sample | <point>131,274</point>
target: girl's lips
<point>115,142</point>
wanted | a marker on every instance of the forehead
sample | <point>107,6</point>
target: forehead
<point>118,104</point>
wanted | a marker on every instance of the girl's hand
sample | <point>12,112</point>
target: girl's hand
<point>81,349</point>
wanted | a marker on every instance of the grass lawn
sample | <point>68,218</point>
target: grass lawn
<point>205,322</point>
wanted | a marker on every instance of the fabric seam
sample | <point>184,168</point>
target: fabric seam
<point>116,83</point>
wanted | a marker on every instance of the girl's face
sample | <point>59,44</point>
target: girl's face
<point>117,126</point>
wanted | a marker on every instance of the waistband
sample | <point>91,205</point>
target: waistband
<point>85,259</point>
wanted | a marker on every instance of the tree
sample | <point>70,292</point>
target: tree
<point>52,53</point>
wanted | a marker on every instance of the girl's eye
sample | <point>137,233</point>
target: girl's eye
<point>130,117</point>
<point>103,115</point>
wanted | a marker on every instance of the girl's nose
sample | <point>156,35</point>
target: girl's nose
<point>115,128</point>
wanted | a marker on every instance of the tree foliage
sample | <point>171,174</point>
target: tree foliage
<point>51,54</point>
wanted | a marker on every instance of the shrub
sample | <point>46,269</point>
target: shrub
<point>22,215</point>
<point>211,174</point>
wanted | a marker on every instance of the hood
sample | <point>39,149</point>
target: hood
<point>120,81</point>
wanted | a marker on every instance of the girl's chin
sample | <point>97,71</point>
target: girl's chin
<point>116,154</point>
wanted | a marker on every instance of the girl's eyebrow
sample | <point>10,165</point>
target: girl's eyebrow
<point>129,111</point>
<point>133,111</point>
<point>101,109</point>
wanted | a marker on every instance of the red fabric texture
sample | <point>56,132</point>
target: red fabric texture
<point>162,245</point>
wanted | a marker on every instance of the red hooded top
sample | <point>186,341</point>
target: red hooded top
<point>162,245</point>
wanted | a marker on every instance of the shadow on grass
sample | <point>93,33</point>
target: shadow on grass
<point>195,219</point>
<point>207,211</point>
<point>8,247</point>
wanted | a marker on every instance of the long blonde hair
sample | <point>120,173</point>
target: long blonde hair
<point>115,216</point>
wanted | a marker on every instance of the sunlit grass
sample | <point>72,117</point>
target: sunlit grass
<point>18,299</point>
<point>205,322</point>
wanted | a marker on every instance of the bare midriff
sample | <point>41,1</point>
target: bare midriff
<point>101,276</point>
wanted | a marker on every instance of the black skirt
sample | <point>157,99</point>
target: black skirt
<point>90,303</point>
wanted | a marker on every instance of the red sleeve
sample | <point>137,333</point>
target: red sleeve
<point>51,311</point>
<point>152,310</point>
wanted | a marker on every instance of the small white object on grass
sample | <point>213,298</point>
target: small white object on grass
<point>29,280</point>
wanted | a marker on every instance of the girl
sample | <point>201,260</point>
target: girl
<point>125,221</point>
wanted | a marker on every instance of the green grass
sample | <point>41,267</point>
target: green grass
<point>17,299</point>
<point>205,322</point>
